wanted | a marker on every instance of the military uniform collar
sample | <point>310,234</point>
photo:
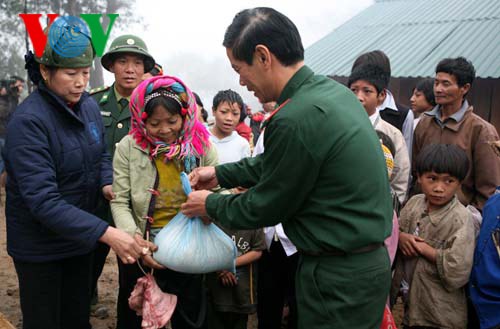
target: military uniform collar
<point>118,95</point>
<point>106,96</point>
<point>295,82</point>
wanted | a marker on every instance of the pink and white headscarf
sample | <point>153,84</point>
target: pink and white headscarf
<point>194,137</point>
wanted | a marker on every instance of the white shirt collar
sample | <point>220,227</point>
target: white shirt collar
<point>389,102</point>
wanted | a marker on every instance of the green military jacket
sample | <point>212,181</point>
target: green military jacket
<point>322,174</point>
<point>116,121</point>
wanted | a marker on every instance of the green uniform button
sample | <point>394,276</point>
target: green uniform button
<point>120,125</point>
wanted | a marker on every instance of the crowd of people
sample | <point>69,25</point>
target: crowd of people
<point>340,200</point>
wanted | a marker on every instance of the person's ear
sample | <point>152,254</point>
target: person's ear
<point>465,88</point>
<point>262,55</point>
<point>44,72</point>
<point>418,179</point>
<point>381,97</point>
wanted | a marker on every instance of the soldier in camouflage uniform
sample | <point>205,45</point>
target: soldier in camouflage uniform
<point>128,59</point>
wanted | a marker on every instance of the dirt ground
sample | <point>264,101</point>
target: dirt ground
<point>108,289</point>
<point>9,292</point>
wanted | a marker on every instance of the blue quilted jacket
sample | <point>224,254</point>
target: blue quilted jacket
<point>57,164</point>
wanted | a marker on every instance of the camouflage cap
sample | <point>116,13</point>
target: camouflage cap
<point>69,54</point>
<point>128,44</point>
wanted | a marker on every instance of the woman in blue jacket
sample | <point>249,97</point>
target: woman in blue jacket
<point>57,168</point>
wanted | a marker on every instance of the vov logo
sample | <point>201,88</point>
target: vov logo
<point>73,31</point>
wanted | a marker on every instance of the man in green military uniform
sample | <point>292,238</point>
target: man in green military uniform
<point>128,59</point>
<point>322,175</point>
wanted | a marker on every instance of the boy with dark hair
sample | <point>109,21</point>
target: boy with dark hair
<point>367,82</point>
<point>227,107</point>
<point>232,297</point>
<point>453,121</point>
<point>436,243</point>
<point>396,114</point>
<point>422,99</point>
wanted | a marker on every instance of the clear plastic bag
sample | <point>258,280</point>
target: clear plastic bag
<point>187,245</point>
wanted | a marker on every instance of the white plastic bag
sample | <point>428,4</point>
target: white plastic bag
<point>187,245</point>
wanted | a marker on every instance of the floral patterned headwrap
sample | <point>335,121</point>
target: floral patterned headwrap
<point>193,139</point>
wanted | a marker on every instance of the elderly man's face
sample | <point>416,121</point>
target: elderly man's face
<point>253,77</point>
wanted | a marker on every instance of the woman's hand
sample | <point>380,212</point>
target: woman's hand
<point>107,191</point>
<point>203,178</point>
<point>148,248</point>
<point>122,244</point>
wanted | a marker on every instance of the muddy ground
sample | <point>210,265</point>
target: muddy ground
<point>108,288</point>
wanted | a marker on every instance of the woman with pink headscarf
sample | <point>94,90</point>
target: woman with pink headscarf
<point>166,138</point>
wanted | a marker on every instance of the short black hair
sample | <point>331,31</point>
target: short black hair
<point>264,26</point>
<point>443,159</point>
<point>370,73</point>
<point>426,86</point>
<point>166,102</point>
<point>229,96</point>
<point>461,68</point>
<point>375,57</point>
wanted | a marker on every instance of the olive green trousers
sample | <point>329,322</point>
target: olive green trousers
<point>343,292</point>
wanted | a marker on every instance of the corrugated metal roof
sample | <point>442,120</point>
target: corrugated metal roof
<point>415,35</point>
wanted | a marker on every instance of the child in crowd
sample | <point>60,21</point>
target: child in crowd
<point>436,243</point>
<point>368,82</point>
<point>422,99</point>
<point>166,138</point>
<point>227,107</point>
<point>233,297</point>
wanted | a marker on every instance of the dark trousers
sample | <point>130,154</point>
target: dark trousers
<point>276,285</point>
<point>226,320</point>
<point>55,295</point>
<point>190,312</point>
<point>98,261</point>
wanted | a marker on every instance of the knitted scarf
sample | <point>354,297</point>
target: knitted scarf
<point>194,137</point>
